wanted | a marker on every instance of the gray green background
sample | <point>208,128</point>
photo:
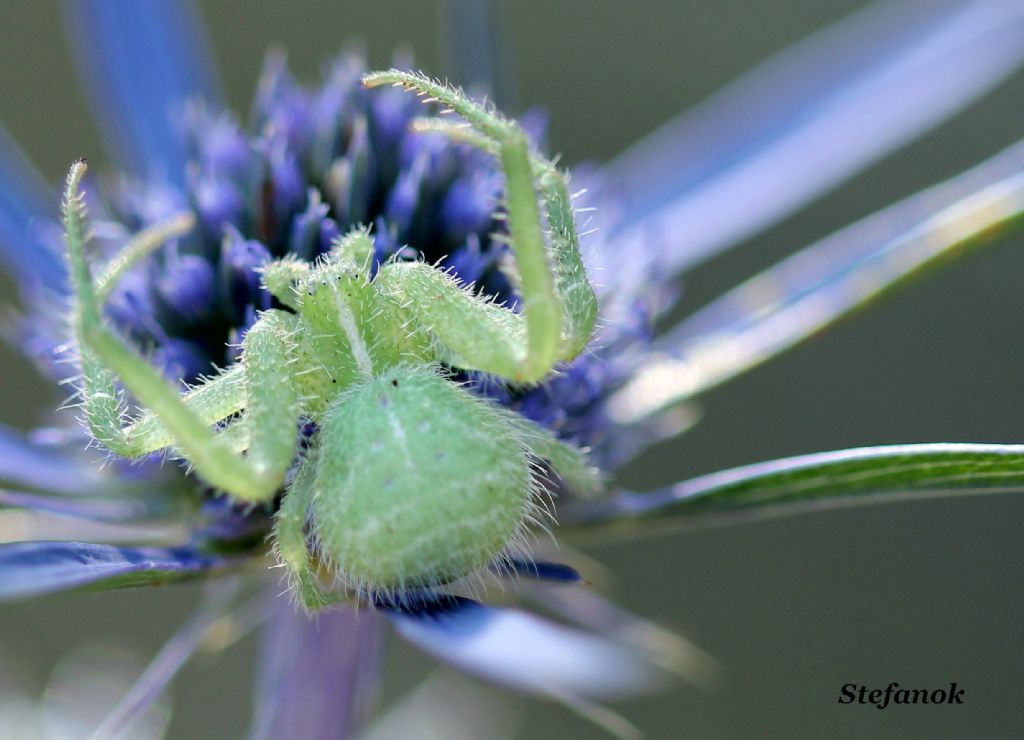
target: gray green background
<point>922,593</point>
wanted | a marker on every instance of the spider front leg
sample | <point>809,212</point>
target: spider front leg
<point>269,394</point>
<point>215,400</point>
<point>558,303</point>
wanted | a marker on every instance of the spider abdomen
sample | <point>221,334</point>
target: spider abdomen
<point>419,483</point>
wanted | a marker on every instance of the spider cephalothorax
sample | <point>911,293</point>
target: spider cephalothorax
<point>410,480</point>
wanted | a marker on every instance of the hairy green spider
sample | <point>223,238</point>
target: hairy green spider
<point>410,481</point>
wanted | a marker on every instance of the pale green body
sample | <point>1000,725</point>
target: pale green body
<point>413,431</point>
<point>411,480</point>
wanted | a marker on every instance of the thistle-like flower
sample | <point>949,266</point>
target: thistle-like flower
<point>435,249</point>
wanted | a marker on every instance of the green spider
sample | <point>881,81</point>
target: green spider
<point>411,481</point>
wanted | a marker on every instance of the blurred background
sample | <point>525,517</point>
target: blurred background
<point>920,593</point>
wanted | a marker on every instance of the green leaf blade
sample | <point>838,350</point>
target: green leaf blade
<point>809,482</point>
<point>797,298</point>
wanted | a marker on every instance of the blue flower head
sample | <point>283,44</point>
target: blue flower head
<point>312,163</point>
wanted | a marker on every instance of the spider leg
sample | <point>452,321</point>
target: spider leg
<point>568,462</point>
<point>579,303</point>
<point>290,536</point>
<point>236,389</point>
<point>558,305</point>
<point>272,405</point>
<point>471,332</point>
<point>571,283</point>
<point>145,242</point>
<point>101,400</point>
<point>268,385</point>
<point>213,400</point>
